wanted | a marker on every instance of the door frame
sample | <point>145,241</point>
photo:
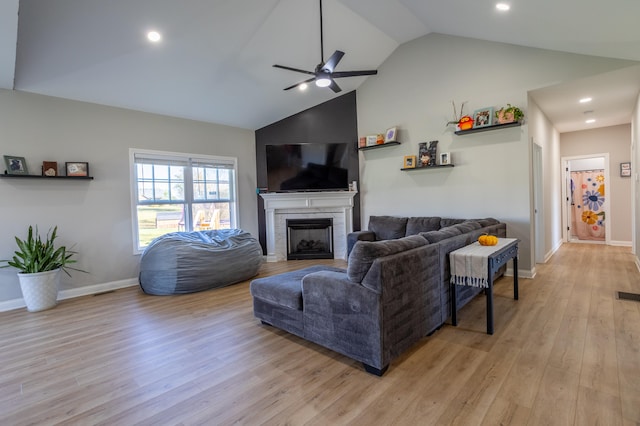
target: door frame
<point>566,207</point>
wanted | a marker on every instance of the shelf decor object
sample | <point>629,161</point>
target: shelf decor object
<point>50,168</point>
<point>483,117</point>
<point>16,165</point>
<point>77,168</point>
<point>508,114</point>
<point>409,162</point>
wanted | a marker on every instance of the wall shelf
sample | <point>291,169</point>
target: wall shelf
<point>439,166</point>
<point>364,148</point>
<point>46,177</point>
<point>488,128</point>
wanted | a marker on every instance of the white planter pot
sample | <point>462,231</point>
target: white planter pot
<point>40,290</point>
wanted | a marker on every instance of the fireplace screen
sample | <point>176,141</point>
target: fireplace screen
<point>309,239</point>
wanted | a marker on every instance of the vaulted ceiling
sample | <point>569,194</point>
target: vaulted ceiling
<point>214,62</point>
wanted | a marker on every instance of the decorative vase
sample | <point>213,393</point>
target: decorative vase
<point>40,290</point>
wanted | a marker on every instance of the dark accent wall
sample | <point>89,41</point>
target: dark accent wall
<point>334,121</point>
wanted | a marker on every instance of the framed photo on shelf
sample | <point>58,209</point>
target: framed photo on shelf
<point>372,140</point>
<point>625,169</point>
<point>445,158</point>
<point>391,135</point>
<point>483,117</point>
<point>49,168</point>
<point>16,165</point>
<point>409,162</point>
<point>77,168</point>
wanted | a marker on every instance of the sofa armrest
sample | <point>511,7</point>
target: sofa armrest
<point>354,237</point>
<point>343,316</point>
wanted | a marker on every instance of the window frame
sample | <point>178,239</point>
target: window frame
<point>190,161</point>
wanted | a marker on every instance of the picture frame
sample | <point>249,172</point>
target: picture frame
<point>625,169</point>
<point>49,168</point>
<point>483,117</point>
<point>409,162</point>
<point>77,168</point>
<point>445,158</point>
<point>391,135</point>
<point>16,165</point>
<point>372,140</point>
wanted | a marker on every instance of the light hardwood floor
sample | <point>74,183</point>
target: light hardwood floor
<point>566,353</point>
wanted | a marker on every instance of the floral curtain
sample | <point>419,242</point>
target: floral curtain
<point>587,198</point>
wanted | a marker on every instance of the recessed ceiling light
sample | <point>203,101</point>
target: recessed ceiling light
<point>303,86</point>
<point>590,121</point>
<point>154,36</point>
<point>503,7</point>
<point>585,100</point>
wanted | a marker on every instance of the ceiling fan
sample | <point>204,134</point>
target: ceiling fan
<point>324,73</point>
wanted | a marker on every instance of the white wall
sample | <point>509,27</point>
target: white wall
<point>615,140</point>
<point>96,215</point>
<point>542,132</point>
<point>414,89</point>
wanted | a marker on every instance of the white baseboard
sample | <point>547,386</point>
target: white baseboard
<point>9,305</point>
<point>620,243</point>
<point>553,250</point>
<point>638,263</point>
<point>522,273</point>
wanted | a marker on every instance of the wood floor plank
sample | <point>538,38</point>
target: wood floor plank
<point>565,353</point>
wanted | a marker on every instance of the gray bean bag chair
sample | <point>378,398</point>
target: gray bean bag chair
<point>187,262</point>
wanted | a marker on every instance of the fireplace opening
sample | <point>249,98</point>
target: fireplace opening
<point>309,239</point>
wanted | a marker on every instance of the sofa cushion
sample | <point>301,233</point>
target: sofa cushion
<point>445,222</point>
<point>487,221</point>
<point>285,289</point>
<point>416,225</point>
<point>364,253</point>
<point>388,227</point>
<point>442,234</point>
<point>467,226</point>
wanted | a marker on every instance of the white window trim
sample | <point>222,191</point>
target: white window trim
<point>173,155</point>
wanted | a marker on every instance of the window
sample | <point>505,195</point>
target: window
<point>180,192</point>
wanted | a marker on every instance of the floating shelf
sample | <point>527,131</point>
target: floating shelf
<point>439,166</point>
<point>488,128</point>
<point>364,148</point>
<point>47,177</point>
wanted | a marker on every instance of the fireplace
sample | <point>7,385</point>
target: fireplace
<point>309,239</point>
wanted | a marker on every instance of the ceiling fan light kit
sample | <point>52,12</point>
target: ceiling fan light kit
<point>324,74</point>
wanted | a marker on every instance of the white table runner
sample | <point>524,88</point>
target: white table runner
<point>469,265</point>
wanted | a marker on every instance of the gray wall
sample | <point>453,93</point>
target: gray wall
<point>96,215</point>
<point>414,89</point>
<point>616,141</point>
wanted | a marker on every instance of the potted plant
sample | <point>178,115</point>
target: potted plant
<point>39,263</point>
<point>509,114</point>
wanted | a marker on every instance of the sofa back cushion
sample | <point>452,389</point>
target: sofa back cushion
<point>416,225</point>
<point>442,234</point>
<point>364,253</point>
<point>388,227</point>
<point>447,221</point>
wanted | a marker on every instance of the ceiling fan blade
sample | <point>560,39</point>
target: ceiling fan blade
<point>298,84</point>
<point>332,62</point>
<point>340,74</point>
<point>334,86</point>
<point>294,69</point>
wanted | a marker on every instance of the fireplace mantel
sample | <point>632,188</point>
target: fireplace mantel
<point>279,206</point>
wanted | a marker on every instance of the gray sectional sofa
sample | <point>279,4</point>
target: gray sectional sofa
<point>394,292</point>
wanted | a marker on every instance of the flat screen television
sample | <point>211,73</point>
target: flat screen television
<point>307,167</point>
